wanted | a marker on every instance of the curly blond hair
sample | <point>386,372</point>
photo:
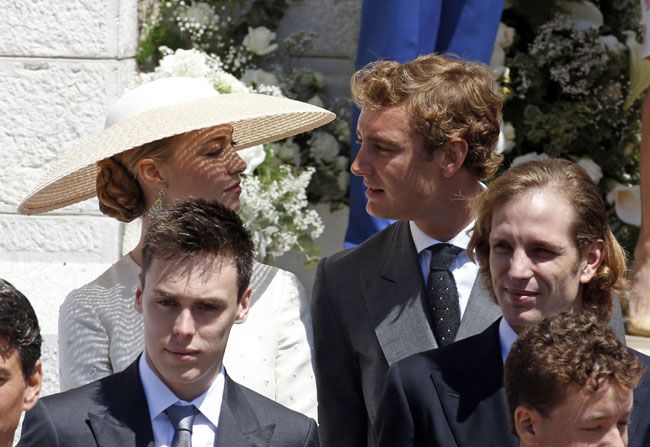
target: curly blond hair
<point>447,98</point>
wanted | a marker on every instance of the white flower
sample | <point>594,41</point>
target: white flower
<point>639,69</point>
<point>585,15</point>
<point>323,146</point>
<point>343,180</point>
<point>498,58</point>
<point>224,82</point>
<point>288,151</point>
<point>612,44</point>
<point>253,76</point>
<point>341,163</point>
<point>531,156</point>
<point>253,156</point>
<point>319,80</point>
<point>506,138</point>
<point>200,13</point>
<point>591,167</point>
<point>627,202</point>
<point>191,63</point>
<point>316,101</point>
<point>505,36</point>
<point>258,40</point>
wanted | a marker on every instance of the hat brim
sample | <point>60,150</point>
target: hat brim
<point>256,119</point>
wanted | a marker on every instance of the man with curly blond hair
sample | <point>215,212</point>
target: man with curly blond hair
<point>569,382</point>
<point>427,129</point>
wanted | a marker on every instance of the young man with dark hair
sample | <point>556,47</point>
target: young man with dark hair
<point>194,286</point>
<point>569,382</point>
<point>20,364</point>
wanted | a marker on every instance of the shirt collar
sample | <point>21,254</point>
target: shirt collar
<point>423,241</point>
<point>160,397</point>
<point>507,336</point>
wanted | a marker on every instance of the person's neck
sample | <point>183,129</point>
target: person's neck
<point>444,222</point>
<point>136,252</point>
<point>187,392</point>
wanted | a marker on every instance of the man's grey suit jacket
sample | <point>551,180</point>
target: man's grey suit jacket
<point>369,311</point>
<point>113,412</point>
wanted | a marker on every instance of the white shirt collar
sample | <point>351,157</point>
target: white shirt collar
<point>423,241</point>
<point>160,397</point>
<point>507,336</point>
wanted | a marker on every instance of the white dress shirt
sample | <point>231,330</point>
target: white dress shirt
<point>462,268</point>
<point>507,336</point>
<point>160,397</point>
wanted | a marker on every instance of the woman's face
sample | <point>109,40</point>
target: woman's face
<point>204,165</point>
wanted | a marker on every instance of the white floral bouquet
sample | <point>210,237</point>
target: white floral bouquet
<point>570,73</point>
<point>274,206</point>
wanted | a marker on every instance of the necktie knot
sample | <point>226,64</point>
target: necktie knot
<point>182,419</point>
<point>443,255</point>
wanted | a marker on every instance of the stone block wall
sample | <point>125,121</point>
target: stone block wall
<point>62,63</point>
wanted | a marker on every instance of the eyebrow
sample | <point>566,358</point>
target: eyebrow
<point>210,299</point>
<point>380,139</point>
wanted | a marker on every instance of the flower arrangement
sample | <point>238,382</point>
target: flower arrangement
<point>233,45</point>
<point>567,72</point>
<point>241,36</point>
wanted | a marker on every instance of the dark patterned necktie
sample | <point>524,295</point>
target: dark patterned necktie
<point>182,418</point>
<point>442,293</point>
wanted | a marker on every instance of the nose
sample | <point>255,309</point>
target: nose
<point>361,165</point>
<point>520,266</point>
<point>237,165</point>
<point>617,437</point>
<point>184,324</point>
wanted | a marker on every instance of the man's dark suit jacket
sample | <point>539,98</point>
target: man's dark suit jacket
<point>113,412</point>
<point>369,311</point>
<point>454,397</point>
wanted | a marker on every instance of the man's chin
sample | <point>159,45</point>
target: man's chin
<point>380,211</point>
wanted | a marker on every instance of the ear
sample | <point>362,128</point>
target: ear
<point>454,153</point>
<point>244,306</point>
<point>527,425</point>
<point>152,174</point>
<point>592,257</point>
<point>33,388</point>
<point>138,294</point>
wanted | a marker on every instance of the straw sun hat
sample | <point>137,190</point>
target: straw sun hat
<point>160,109</point>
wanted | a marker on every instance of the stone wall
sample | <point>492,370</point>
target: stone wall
<point>62,63</point>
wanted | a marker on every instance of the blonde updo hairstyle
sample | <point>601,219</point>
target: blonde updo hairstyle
<point>118,190</point>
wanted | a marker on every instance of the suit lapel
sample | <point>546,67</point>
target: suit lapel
<point>126,421</point>
<point>640,410</point>
<point>238,424</point>
<point>394,298</point>
<point>471,392</point>
<point>481,311</point>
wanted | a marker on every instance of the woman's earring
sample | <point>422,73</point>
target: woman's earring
<point>158,204</point>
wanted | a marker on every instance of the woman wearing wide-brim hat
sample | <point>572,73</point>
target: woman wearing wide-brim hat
<point>165,140</point>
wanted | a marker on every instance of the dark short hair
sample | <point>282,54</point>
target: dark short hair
<point>192,227</point>
<point>19,327</point>
<point>446,98</point>
<point>561,351</point>
<point>589,224</point>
